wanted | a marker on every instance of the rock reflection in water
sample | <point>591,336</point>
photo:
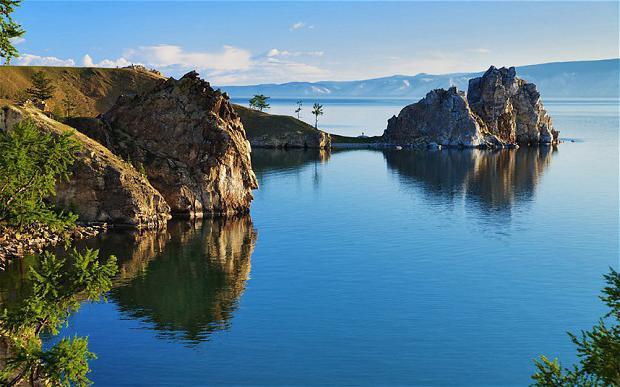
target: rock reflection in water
<point>286,160</point>
<point>191,288</point>
<point>493,179</point>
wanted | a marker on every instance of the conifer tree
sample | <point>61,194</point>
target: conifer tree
<point>42,88</point>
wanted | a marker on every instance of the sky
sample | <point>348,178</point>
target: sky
<point>239,43</point>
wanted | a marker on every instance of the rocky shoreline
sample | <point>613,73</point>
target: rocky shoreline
<point>15,243</point>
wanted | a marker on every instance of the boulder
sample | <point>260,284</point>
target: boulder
<point>191,143</point>
<point>102,187</point>
<point>510,107</point>
<point>442,117</point>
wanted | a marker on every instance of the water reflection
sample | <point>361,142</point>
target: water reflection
<point>494,180</point>
<point>192,287</point>
<point>286,160</point>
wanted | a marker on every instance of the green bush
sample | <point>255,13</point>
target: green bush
<point>58,287</point>
<point>30,164</point>
<point>598,349</point>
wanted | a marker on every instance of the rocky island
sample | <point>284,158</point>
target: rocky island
<point>499,110</point>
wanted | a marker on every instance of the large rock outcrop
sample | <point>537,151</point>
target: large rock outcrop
<point>191,143</point>
<point>510,107</point>
<point>501,110</point>
<point>442,118</point>
<point>102,188</point>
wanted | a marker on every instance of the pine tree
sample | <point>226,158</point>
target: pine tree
<point>42,88</point>
<point>31,162</point>
<point>598,349</point>
<point>9,30</point>
<point>58,285</point>
<point>69,106</point>
<point>259,101</point>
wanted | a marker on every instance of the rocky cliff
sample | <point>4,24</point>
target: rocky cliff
<point>441,118</point>
<point>190,142</point>
<point>511,107</point>
<point>102,188</point>
<point>501,110</point>
<point>277,131</point>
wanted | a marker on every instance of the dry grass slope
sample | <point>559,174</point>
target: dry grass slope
<point>94,90</point>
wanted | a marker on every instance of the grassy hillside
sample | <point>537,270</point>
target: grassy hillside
<point>337,139</point>
<point>94,90</point>
<point>257,123</point>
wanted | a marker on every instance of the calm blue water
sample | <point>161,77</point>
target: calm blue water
<point>373,268</point>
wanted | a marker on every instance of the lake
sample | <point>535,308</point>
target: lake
<point>371,267</point>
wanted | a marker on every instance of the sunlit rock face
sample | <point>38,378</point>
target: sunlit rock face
<point>491,180</point>
<point>191,143</point>
<point>102,186</point>
<point>510,107</point>
<point>191,286</point>
<point>442,118</point>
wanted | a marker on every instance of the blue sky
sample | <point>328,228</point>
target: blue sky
<point>262,42</point>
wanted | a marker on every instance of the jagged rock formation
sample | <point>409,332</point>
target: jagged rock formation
<point>441,118</point>
<point>102,188</point>
<point>191,143</point>
<point>276,131</point>
<point>511,107</point>
<point>500,110</point>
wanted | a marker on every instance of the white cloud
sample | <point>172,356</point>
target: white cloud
<point>229,65</point>
<point>87,61</point>
<point>301,25</point>
<point>36,60</point>
<point>16,41</point>
<point>479,50</point>
<point>284,53</point>
<point>164,55</point>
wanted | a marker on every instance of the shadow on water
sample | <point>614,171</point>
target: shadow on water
<point>184,281</point>
<point>492,180</point>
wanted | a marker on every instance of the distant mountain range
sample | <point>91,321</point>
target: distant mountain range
<point>584,79</point>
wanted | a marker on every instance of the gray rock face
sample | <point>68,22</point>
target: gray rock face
<point>441,118</point>
<point>191,143</point>
<point>319,140</point>
<point>500,110</point>
<point>510,107</point>
<point>103,187</point>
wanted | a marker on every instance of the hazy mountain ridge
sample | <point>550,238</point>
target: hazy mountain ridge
<point>590,79</point>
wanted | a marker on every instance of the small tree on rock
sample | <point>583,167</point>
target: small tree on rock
<point>317,110</point>
<point>259,102</point>
<point>298,110</point>
<point>42,88</point>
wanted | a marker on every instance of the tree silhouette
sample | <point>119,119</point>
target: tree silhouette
<point>317,110</point>
<point>259,101</point>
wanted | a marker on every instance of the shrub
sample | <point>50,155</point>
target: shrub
<point>30,164</point>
